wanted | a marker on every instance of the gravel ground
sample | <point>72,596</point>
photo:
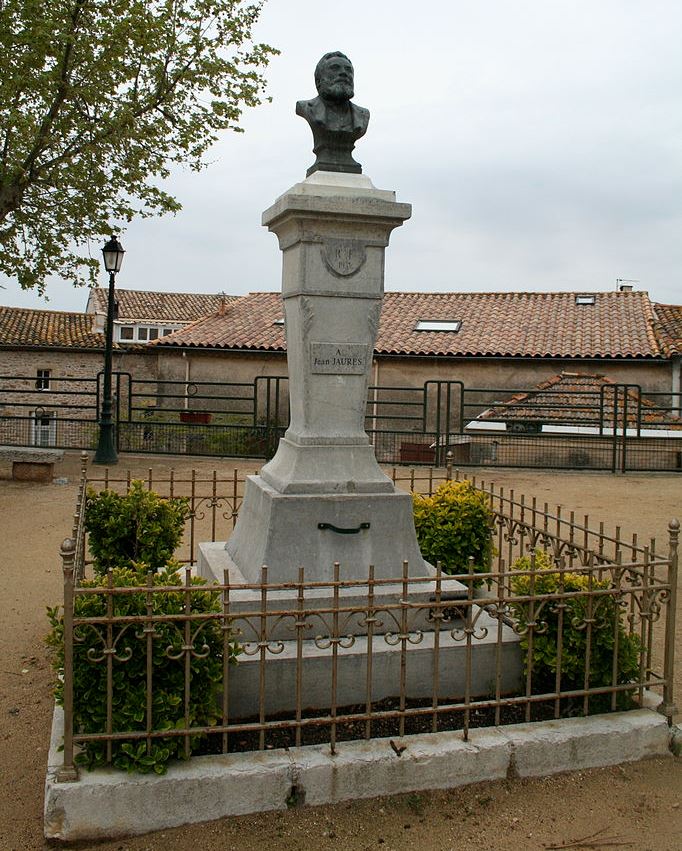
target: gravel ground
<point>634,806</point>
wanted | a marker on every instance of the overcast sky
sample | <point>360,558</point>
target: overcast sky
<point>539,143</point>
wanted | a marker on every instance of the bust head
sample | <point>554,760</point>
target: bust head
<point>334,77</point>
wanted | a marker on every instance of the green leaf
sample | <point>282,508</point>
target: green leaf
<point>97,105</point>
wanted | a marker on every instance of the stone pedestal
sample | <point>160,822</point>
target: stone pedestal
<point>323,497</point>
<point>332,230</point>
<point>287,531</point>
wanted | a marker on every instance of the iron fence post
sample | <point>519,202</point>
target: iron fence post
<point>68,773</point>
<point>667,706</point>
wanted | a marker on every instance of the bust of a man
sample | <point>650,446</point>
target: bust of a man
<point>336,122</point>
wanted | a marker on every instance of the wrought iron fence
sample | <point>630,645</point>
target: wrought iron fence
<point>600,605</point>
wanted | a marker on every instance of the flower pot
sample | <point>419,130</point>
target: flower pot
<point>201,417</point>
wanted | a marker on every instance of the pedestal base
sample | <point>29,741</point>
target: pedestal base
<point>282,665</point>
<point>288,531</point>
<point>281,672</point>
<point>331,468</point>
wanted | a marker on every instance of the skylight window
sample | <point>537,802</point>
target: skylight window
<point>452,325</point>
<point>585,298</point>
<point>278,322</point>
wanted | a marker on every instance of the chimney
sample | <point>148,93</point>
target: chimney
<point>624,286</point>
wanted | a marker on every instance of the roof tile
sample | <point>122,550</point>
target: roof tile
<point>617,325</point>
<point>24,327</point>
<point>669,327</point>
<point>580,398</point>
<point>139,305</point>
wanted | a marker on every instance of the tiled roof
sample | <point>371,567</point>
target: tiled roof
<point>138,305</point>
<point>618,324</point>
<point>520,325</point>
<point>577,398</point>
<point>23,327</point>
<point>245,323</point>
<point>669,327</point>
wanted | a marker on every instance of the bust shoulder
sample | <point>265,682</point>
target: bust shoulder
<point>362,112</point>
<point>310,109</point>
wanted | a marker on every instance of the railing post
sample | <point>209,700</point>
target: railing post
<point>68,773</point>
<point>667,706</point>
<point>79,530</point>
<point>448,466</point>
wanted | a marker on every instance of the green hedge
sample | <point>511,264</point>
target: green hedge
<point>137,528</point>
<point>453,526</point>
<point>607,618</point>
<point>130,676</point>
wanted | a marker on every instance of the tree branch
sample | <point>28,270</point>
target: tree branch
<point>28,166</point>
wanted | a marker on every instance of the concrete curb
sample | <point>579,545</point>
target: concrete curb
<point>107,803</point>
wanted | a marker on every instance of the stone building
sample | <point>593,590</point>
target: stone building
<point>197,351</point>
<point>49,361</point>
<point>483,340</point>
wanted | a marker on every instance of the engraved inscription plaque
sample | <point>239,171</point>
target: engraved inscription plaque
<point>339,358</point>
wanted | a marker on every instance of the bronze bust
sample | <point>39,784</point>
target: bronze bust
<point>336,122</point>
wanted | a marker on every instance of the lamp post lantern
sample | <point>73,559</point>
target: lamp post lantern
<point>106,446</point>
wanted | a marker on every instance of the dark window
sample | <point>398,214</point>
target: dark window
<point>142,333</point>
<point>153,333</point>
<point>520,427</point>
<point>43,379</point>
<point>126,332</point>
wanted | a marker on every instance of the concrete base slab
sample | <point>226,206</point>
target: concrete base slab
<point>31,463</point>
<point>107,803</point>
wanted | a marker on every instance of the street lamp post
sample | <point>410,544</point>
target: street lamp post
<point>106,446</point>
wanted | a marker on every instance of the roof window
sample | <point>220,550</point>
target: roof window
<point>452,325</point>
<point>278,322</point>
<point>585,298</point>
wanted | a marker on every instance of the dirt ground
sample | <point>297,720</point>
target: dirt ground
<point>638,805</point>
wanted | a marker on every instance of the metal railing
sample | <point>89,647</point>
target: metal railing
<point>579,583</point>
<point>614,428</point>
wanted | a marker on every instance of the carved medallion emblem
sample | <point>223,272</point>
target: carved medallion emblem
<point>343,257</point>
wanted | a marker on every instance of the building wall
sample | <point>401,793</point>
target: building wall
<point>178,369</point>
<point>73,374</point>
<point>482,376</point>
<point>197,365</point>
<point>512,374</point>
<point>160,378</point>
<point>518,373</point>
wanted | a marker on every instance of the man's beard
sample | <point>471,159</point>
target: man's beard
<point>337,91</point>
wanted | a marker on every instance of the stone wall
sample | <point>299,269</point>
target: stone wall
<point>228,368</point>
<point>519,373</point>
<point>162,367</point>
<point>69,399</point>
